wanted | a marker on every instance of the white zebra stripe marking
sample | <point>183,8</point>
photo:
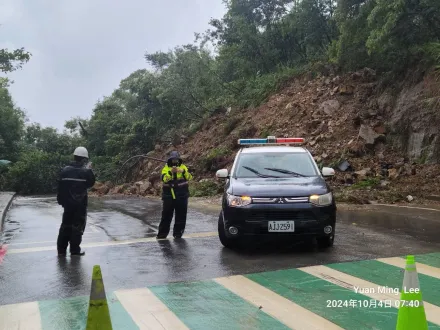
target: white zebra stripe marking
<point>147,311</point>
<point>24,316</point>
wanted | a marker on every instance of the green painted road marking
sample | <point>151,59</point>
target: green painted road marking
<point>208,305</point>
<point>387,275</point>
<point>430,259</point>
<point>313,293</point>
<point>121,320</point>
<point>70,313</point>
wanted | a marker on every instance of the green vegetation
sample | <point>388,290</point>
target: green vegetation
<point>11,61</point>
<point>204,188</point>
<point>214,157</point>
<point>258,46</point>
<point>267,131</point>
<point>38,155</point>
<point>369,182</point>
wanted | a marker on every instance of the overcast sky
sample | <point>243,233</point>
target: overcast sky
<point>82,49</point>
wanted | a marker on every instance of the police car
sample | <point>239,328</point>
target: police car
<point>276,189</point>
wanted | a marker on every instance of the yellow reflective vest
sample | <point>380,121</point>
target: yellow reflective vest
<point>175,185</point>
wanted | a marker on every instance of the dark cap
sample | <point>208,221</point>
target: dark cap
<point>174,155</point>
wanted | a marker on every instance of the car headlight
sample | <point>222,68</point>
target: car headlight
<point>322,200</point>
<point>239,200</point>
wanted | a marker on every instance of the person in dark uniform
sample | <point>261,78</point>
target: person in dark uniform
<point>175,194</point>
<point>73,183</point>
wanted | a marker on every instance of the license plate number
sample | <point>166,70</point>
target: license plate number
<point>281,226</point>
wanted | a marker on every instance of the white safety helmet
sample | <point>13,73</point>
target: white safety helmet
<point>81,152</point>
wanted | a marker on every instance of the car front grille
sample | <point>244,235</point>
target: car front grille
<point>262,216</point>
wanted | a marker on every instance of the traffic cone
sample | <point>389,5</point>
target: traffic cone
<point>411,313</point>
<point>98,317</point>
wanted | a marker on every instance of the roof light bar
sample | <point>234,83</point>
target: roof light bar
<point>290,140</point>
<point>271,140</point>
<point>252,141</point>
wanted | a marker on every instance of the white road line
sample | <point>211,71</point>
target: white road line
<point>147,311</point>
<point>370,289</point>
<point>110,243</point>
<point>21,198</point>
<point>421,268</point>
<point>282,309</point>
<point>27,241</point>
<point>20,317</point>
<point>38,242</point>
<point>48,233</point>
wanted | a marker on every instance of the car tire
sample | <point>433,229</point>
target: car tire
<point>227,242</point>
<point>325,242</point>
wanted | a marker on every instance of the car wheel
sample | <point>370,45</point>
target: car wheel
<point>326,242</point>
<point>226,241</point>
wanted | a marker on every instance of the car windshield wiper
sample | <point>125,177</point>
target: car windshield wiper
<point>259,174</point>
<point>284,171</point>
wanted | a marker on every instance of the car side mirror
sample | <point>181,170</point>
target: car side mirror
<point>327,172</point>
<point>222,174</point>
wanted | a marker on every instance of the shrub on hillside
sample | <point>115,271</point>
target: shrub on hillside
<point>35,173</point>
<point>214,159</point>
<point>204,189</point>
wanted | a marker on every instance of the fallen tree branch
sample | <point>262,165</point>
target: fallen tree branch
<point>137,156</point>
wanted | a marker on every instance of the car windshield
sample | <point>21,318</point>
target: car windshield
<point>274,164</point>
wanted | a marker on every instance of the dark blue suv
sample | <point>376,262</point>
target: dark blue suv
<point>276,190</point>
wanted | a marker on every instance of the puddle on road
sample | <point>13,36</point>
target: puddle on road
<point>124,219</point>
<point>119,227</point>
<point>10,229</point>
<point>11,226</point>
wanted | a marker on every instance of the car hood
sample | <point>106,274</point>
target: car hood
<point>277,187</point>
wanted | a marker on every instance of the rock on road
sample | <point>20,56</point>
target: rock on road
<point>195,281</point>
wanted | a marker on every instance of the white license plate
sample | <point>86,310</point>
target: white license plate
<point>282,226</point>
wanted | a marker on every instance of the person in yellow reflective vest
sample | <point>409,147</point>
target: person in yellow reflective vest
<point>175,194</point>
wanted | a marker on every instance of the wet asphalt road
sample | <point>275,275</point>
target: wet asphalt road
<point>120,237</point>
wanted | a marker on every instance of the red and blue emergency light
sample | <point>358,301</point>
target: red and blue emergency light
<point>271,140</point>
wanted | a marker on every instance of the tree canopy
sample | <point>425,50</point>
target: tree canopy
<point>13,60</point>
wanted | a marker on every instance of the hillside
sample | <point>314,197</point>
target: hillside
<point>388,137</point>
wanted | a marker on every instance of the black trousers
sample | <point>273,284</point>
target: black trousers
<point>168,208</point>
<point>71,230</point>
